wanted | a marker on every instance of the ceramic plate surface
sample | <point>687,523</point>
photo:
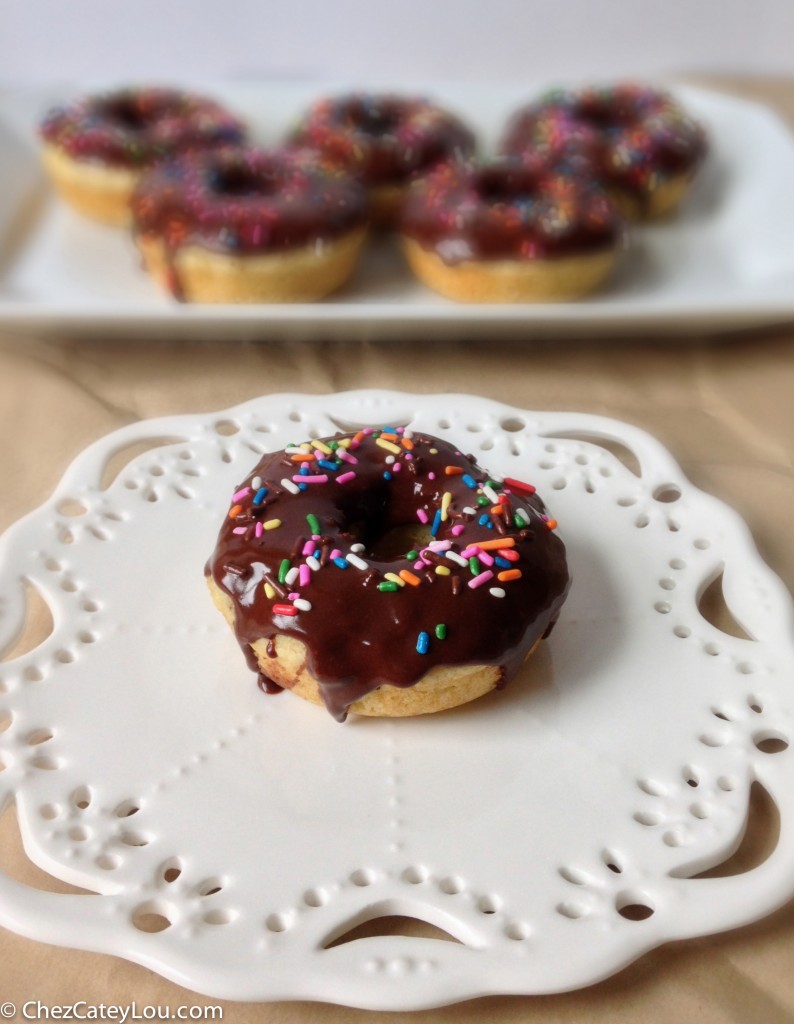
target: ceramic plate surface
<point>725,263</point>
<point>553,829</point>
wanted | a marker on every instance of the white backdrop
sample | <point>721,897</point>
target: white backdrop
<point>44,41</point>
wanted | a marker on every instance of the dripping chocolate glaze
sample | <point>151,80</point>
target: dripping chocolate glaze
<point>358,637</point>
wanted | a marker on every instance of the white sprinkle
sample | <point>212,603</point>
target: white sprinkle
<point>469,511</point>
<point>358,548</point>
<point>456,558</point>
<point>294,450</point>
<point>409,434</point>
<point>302,604</point>
<point>256,483</point>
<point>490,494</point>
<point>359,563</point>
<point>389,459</point>
<point>288,485</point>
<point>292,575</point>
<point>313,563</point>
<point>496,591</point>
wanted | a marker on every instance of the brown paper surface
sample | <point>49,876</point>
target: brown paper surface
<point>723,406</point>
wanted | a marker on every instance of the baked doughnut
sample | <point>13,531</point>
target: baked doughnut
<point>312,570</point>
<point>383,140</point>
<point>247,225</point>
<point>96,148</point>
<point>510,230</point>
<point>637,141</point>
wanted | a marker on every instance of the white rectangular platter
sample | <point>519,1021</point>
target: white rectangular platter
<point>725,263</point>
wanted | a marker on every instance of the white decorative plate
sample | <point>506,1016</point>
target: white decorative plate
<point>725,263</point>
<point>552,829</point>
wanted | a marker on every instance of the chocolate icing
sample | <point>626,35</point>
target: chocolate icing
<point>383,139</point>
<point>628,136</point>
<point>138,127</point>
<point>359,636</point>
<point>509,208</point>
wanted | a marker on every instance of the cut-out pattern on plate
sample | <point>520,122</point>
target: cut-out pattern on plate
<point>147,767</point>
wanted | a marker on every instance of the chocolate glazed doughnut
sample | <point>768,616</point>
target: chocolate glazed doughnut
<point>248,225</point>
<point>510,230</point>
<point>96,148</point>
<point>312,569</point>
<point>638,142</point>
<point>384,141</point>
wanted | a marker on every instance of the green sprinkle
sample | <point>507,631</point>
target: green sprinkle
<point>474,566</point>
<point>314,522</point>
<point>412,555</point>
<point>333,445</point>
<point>387,586</point>
<point>283,569</point>
<point>492,484</point>
<point>482,500</point>
<point>441,631</point>
<point>519,520</point>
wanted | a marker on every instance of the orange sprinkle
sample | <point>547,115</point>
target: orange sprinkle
<point>359,437</point>
<point>235,511</point>
<point>500,542</point>
<point>303,457</point>
<point>509,574</point>
<point>552,524</point>
<point>388,436</point>
<point>453,470</point>
<point>406,442</point>
<point>409,578</point>
<point>496,510</point>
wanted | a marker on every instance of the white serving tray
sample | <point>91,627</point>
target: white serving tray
<point>725,263</point>
<point>553,829</point>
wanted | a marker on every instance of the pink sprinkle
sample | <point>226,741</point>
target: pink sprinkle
<point>293,597</point>
<point>316,537</point>
<point>421,564</point>
<point>240,494</point>
<point>336,553</point>
<point>322,478</point>
<point>408,456</point>
<point>239,529</point>
<point>509,553</point>
<point>482,578</point>
<point>344,454</point>
<point>308,548</point>
<point>458,530</point>
<point>304,575</point>
<point>397,467</point>
<point>343,478</point>
<point>431,476</point>
<point>367,431</point>
<point>485,558</point>
<point>470,551</point>
<point>421,515</point>
<point>439,545</point>
<point>259,529</point>
<point>400,430</point>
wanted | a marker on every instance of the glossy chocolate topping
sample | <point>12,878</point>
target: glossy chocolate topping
<point>509,208</point>
<point>383,139</point>
<point>330,564</point>
<point>137,127</point>
<point>628,136</point>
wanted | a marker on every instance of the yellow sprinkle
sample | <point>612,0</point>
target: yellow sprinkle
<point>322,447</point>
<point>272,524</point>
<point>394,578</point>
<point>345,442</point>
<point>442,570</point>
<point>269,592</point>
<point>445,500</point>
<point>305,446</point>
<point>388,446</point>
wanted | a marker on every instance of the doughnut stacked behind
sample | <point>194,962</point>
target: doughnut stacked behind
<point>248,225</point>
<point>96,148</point>
<point>510,230</point>
<point>384,573</point>
<point>638,142</point>
<point>383,140</point>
